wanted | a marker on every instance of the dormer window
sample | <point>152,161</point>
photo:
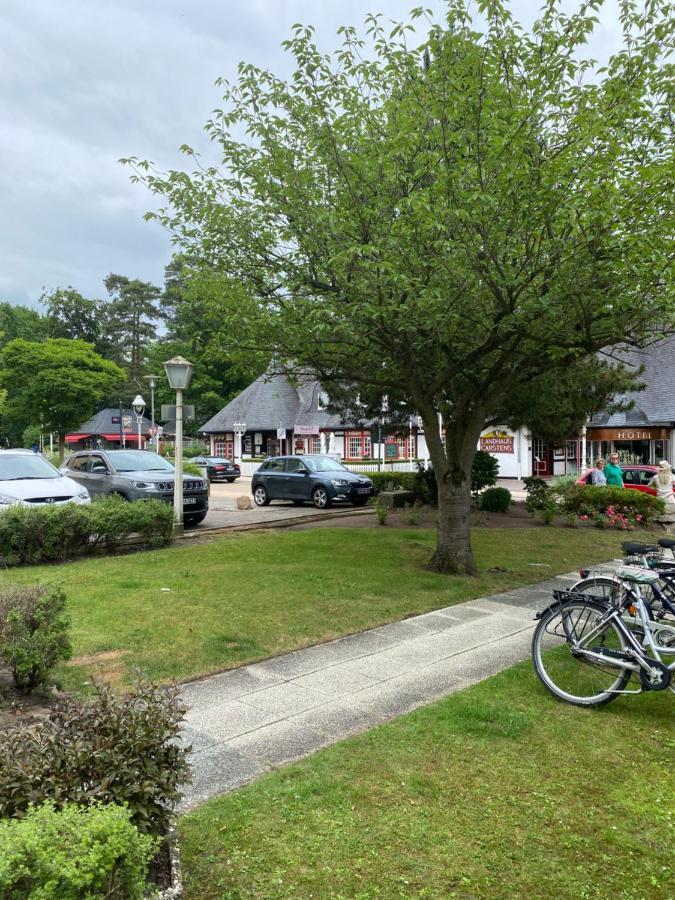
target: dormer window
<point>322,400</point>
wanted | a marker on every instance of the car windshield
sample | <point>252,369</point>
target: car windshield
<point>15,466</point>
<point>324,464</point>
<point>139,461</point>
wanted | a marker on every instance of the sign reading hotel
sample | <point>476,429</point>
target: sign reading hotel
<point>497,442</point>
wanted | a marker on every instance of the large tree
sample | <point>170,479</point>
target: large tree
<point>446,223</point>
<point>56,384</point>
<point>130,321</point>
<point>70,315</point>
<point>21,322</point>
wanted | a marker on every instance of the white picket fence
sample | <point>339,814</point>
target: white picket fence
<point>367,468</point>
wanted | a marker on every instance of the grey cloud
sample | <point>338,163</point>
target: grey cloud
<point>85,82</point>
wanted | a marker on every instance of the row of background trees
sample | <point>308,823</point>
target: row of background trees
<point>60,364</point>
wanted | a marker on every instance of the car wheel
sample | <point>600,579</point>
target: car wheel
<point>195,519</point>
<point>320,497</point>
<point>360,501</point>
<point>260,496</point>
<point>118,494</point>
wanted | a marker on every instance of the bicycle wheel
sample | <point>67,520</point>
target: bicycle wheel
<point>598,586</point>
<point>570,676</point>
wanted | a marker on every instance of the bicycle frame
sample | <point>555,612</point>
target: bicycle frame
<point>635,649</point>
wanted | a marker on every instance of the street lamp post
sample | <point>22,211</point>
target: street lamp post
<point>178,372</point>
<point>138,407</point>
<point>239,432</point>
<point>152,381</point>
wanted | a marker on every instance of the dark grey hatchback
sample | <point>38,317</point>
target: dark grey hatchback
<point>321,479</point>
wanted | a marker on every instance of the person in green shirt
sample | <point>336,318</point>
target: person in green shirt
<point>613,472</point>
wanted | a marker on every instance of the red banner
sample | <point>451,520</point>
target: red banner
<point>497,442</point>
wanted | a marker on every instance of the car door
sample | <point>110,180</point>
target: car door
<point>100,476</point>
<point>274,478</point>
<point>638,480</point>
<point>76,468</point>
<point>296,482</point>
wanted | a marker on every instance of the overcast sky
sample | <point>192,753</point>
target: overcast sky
<point>85,82</point>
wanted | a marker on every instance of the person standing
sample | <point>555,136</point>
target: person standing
<point>613,472</point>
<point>598,474</point>
<point>663,483</point>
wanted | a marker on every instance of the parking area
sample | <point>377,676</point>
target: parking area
<point>223,511</point>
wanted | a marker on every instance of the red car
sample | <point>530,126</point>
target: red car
<point>634,476</point>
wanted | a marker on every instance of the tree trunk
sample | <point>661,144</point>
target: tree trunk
<point>453,554</point>
<point>62,447</point>
<point>452,466</point>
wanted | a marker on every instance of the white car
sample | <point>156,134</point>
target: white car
<point>27,478</point>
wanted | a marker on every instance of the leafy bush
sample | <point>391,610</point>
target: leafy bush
<point>74,852</point>
<point>33,633</point>
<point>392,481</point>
<point>495,499</point>
<point>484,471</point>
<point>593,500</point>
<point>423,482</point>
<point>190,452</point>
<point>122,749</point>
<point>45,533</point>
<point>537,493</point>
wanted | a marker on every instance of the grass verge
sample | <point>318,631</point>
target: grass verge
<point>185,611</point>
<point>498,791</point>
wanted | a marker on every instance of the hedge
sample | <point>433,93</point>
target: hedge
<point>589,500</point>
<point>46,533</point>
<point>73,853</point>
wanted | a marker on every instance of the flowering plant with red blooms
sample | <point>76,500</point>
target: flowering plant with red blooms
<point>618,517</point>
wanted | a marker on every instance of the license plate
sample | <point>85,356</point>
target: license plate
<point>363,490</point>
<point>188,500</point>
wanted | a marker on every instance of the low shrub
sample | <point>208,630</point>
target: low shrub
<point>484,471</point>
<point>33,633</point>
<point>382,512</point>
<point>537,493</point>
<point>495,499</point>
<point>46,533</point>
<point>594,500</point>
<point>123,749</point>
<point>393,481</point>
<point>74,852</point>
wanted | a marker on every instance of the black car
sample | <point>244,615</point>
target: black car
<point>321,479</point>
<point>217,468</point>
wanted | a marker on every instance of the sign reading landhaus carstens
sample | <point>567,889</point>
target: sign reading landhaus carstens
<point>497,442</point>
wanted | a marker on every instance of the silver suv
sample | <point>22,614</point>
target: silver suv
<point>137,475</point>
<point>27,479</point>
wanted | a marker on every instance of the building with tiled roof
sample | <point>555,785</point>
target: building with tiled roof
<point>109,428</point>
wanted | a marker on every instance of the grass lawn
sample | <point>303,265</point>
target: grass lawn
<point>498,791</point>
<point>249,596</point>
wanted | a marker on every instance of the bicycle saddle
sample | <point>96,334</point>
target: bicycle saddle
<point>637,575</point>
<point>632,549</point>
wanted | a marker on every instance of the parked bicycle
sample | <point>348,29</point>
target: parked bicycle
<point>585,651</point>
<point>659,594</point>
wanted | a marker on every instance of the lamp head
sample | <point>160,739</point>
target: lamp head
<point>138,405</point>
<point>178,371</point>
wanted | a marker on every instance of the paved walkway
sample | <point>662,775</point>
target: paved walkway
<point>247,721</point>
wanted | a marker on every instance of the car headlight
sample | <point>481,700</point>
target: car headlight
<point>339,482</point>
<point>7,500</point>
<point>145,485</point>
<point>83,494</point>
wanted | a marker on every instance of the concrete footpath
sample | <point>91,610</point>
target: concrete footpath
<point>248,721</point>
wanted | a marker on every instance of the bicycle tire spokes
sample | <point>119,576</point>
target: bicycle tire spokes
<point>560,661</point>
